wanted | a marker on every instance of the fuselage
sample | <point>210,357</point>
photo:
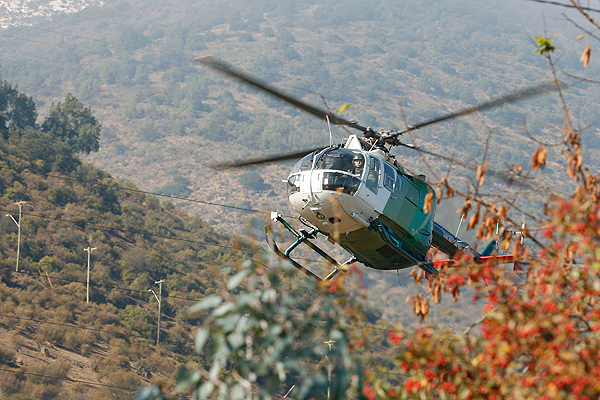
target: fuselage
<point>346,191</point>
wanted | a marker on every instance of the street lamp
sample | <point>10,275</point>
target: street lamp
<point>330,344</point>
<point>159,299</point>
<point>20,204</point>
<point>89,251</point>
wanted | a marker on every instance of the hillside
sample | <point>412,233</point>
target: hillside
<point>164,118</point>
<point>54,343</point>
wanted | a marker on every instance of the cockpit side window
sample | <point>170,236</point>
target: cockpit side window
<point>373,175</point>
<point>389,177</point>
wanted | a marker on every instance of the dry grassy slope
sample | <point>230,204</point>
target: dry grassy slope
<point>43,361</point>
<point>44,356</point>
<point>150,164</point>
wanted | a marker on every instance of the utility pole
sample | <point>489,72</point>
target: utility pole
<point>89,251</point>
<point>159,299</point>
<point>20,204</point>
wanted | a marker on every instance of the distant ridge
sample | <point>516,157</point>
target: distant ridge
<point>28,12</point>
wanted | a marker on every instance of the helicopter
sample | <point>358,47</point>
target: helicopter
<point>359,197</point>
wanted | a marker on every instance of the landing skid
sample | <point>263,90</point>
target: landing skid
<point>303,236</point>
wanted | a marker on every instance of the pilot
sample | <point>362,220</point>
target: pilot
<point>358,162</point>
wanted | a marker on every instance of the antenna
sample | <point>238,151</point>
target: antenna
<point>331,139</point>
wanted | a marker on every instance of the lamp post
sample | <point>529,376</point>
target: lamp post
<point>89,251</point>
<point>330,344</point>
<point>159,299</point>
<point>20,204</point>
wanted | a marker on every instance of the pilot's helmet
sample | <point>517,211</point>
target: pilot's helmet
<point>358,157</point>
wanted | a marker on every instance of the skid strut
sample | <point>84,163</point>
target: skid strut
<point>302,236</point>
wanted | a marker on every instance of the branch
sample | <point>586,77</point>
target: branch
<point>473,325</point>
<point>555,3</point>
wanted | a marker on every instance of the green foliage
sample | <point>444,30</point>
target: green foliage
<point>265,337</point>
<point>16,109</point>
<point>253,181</point>
<point>73,124</point>
<point>54,154</point>
<point>179,186</point>
<point>544,45</point>
<point>148,131</point>
<point>246,38</point>
<point>13,194</point>
<point>139,320</point>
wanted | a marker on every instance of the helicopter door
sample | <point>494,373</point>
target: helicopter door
<point>373,190</point>
<point>316,183</point>
<point>310,182</point>
<point>305,182</point>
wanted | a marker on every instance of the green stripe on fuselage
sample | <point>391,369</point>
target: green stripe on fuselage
<point>405,211</point>
<point>403,214</point>
<point>370,249</point>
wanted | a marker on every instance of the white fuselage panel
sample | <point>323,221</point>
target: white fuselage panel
<point>333,211</point>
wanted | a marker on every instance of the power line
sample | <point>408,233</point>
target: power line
<point>175,297</point>
<point>74,326</point>
<point>104,285</point>
<point>144,232</point>
<point>149,234</point>
<point>166,297</point>
<point>101,227</point>
<point>147,192</point>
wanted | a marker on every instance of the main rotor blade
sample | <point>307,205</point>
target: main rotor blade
<point>227,69</point>
<point>262,160</point>
<point>441,157</point>
<point>532,91</point>
<point>490,172</point>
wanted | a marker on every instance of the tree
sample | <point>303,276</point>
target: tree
<point>270,338</point>
<point>73,124</point>
<point>16,109</point>
<point>43,146</point>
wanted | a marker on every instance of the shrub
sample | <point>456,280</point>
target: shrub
<point>7,355</point>
<point>53,334</point>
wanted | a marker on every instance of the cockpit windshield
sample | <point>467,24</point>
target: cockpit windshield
<point>350,161</point>
<point>344,170</point>
<point>304,164</point>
